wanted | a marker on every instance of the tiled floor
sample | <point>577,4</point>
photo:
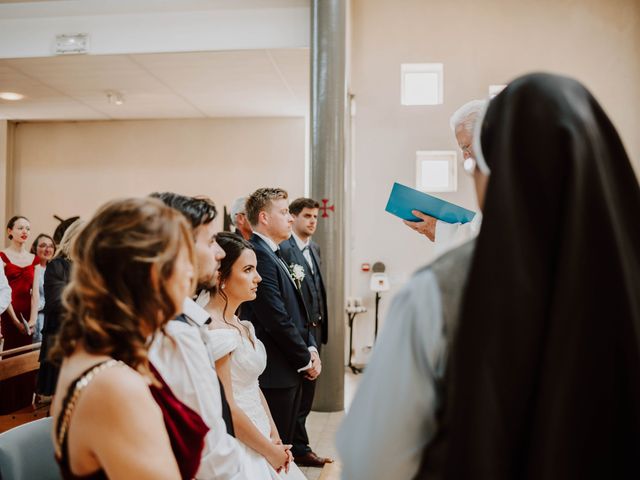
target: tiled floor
<point>322,427</point>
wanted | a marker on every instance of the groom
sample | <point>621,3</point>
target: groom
<point>300,249</point>
<point>278,313</point>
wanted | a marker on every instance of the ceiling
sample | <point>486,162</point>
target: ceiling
<point>241,83</point>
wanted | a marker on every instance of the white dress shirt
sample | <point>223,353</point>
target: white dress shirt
<point>304,248</point>
<point>5,292</point>
<point>182,359</point>
<point>451,235</point>
<point>274,247</point>
<point>393,415</point>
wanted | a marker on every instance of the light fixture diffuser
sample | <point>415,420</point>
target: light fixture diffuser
<point>11,96</point>
<point>72,44</point>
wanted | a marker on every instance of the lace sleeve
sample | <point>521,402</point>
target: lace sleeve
<point>222,341</point>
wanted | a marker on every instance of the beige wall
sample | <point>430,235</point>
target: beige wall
<point>71,168</point>
<point>480,43</point>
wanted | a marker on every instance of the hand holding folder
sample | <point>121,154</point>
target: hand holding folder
<point>403,200</point>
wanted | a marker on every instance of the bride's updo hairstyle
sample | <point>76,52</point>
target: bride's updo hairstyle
<point>118,296</point>
<point>233,246</point>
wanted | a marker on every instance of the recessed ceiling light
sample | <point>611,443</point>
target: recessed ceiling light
<point>11,96</point>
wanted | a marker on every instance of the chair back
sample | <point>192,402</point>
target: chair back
<point>26,452</point>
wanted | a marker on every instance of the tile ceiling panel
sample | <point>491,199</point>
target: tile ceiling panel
<point>182,85</point>
<point>295,67</point>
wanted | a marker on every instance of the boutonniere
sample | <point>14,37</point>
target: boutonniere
<point>297,274</point>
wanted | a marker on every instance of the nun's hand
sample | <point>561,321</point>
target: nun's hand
<point>426,225</point>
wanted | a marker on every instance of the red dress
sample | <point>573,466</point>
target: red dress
<point>17,392</point>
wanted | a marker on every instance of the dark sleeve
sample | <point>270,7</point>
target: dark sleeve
<point>56,277</point>
<point>270,311</point>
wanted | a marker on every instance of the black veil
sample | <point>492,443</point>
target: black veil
<point>545,369</point>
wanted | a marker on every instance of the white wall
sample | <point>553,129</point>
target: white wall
<point>480,43</point>
<point>71,168</point>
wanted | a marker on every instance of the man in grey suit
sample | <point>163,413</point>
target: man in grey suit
<point>301,250</point>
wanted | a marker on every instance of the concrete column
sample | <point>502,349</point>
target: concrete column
<point>328,109</point>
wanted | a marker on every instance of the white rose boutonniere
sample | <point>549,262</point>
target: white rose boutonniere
<point>297,274</point>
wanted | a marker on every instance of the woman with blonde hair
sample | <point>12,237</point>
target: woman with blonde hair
<point>114,416</point>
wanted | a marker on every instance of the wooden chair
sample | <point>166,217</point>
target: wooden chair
<point>15,362</point>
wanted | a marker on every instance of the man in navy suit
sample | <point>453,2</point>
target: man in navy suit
<point>278,313</point>
<point>300,249</point>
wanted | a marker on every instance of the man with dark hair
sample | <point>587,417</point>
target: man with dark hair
<point>181,355</point>
<point>301,250</point>
<point>279,313</point>
<point>200,212</point>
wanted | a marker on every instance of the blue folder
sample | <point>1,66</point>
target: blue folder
<point>404,199</point>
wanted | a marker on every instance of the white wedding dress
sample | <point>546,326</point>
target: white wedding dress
<point>247,363</point>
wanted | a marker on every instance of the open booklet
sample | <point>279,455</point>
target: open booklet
<point>404,199</point>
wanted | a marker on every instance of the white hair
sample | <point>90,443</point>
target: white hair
<point>477,144</point>
<point>238,206</point>
<point>467,115</point>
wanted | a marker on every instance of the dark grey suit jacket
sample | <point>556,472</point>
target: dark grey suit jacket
<point>313,289</point>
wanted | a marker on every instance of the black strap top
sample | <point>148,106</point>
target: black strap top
<point>62,425</point>
<point>184,426</point>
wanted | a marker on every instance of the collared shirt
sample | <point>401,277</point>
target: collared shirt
<point>181,357</point>
<point>274,247</point>
<point>451,235</point>
<point>5,292</point>
<point>304,248</point>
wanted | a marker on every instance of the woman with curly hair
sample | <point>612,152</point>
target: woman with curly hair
<point>114,416</point>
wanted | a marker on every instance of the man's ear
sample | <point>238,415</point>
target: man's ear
<point>263,218</point>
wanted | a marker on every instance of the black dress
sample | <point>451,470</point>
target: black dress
<point>56,278</point>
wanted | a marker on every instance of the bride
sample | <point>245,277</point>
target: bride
<point>240,359</point>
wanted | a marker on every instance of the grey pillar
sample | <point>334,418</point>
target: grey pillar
<point>328,102</point>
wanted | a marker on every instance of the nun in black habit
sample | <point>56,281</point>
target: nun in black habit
<point>544,380</point>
